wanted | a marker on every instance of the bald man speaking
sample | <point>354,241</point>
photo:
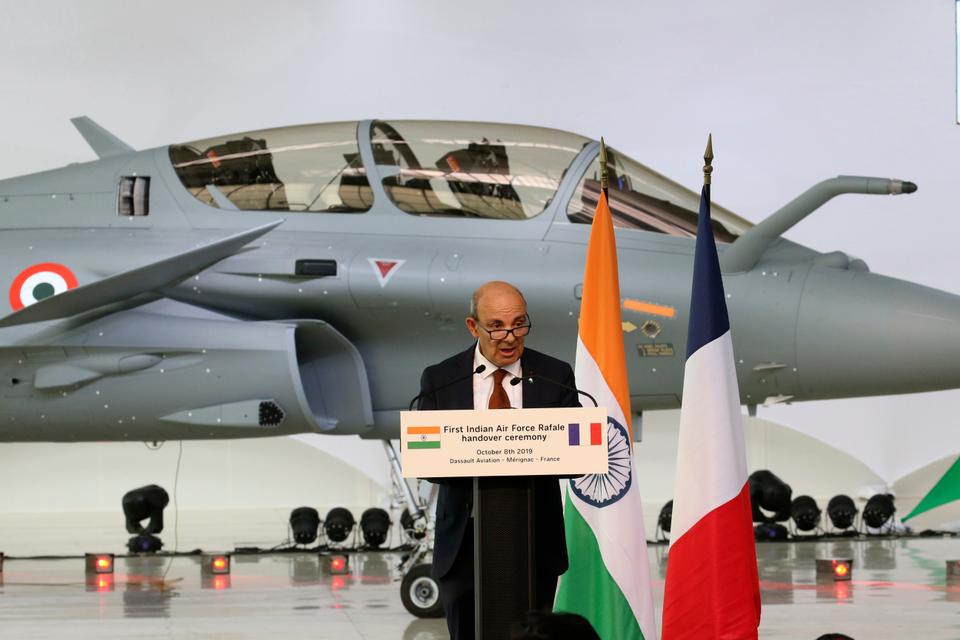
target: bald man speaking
<point>499,321</point>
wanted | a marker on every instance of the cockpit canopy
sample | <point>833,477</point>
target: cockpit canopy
<point>433,168</point>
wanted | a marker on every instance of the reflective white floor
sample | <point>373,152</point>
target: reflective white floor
<point>898,590</point>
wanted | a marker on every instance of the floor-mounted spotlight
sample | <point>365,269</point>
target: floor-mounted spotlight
<point>214,564</point>
<point>338,524</point>
<point>878,511</point>
<point>337,565</point>
<point>953,570</point>
<point>375,526</point>
<point>665,519</point>
<point>836,569</point>
<point>215,571</point>
<point>842,512</point>
<point>770,503</point>
<point>805,514</point>
<point>98,563</point>
<point>139,505</point>
<point>304,522</point>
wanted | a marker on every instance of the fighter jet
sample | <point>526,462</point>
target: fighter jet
<point>298,279</point>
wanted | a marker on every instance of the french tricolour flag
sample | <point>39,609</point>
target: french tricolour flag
<point>711,589</point>
<point>589,434</point>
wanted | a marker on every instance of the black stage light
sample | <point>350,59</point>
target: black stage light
<point>666,517</point>
<point>338,524</point>
<point>842,511</point>
<point>144,543</point>
<point>139,505</point>
<point>374,525</point>
<point>805,513</point>
<point>770,532</point>
<point>304,522</point>
<point>878,510</point>
<point>768,493</point>
<point>408,525</point>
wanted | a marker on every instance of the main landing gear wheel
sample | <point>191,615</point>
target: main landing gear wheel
<point>420,593</point>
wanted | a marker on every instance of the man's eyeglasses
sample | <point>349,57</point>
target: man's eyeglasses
<point>501,334</point>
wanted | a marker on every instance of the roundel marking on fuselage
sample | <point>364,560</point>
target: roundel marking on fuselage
<point>38,282</point>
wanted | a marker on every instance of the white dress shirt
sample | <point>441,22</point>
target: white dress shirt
<point>483,382</point>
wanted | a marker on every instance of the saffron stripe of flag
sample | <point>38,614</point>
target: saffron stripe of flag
<point>421,430</point>
<point>711,590</point>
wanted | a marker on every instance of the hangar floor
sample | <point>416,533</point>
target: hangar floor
<point>898,589</point>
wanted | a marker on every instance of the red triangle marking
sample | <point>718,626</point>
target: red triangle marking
<point>385,266</point>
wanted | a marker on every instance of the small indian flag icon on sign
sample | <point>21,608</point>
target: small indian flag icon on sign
<point>591,434</point>
<point>423,437</point>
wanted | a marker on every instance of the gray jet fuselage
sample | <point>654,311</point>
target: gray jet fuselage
<point>325,323</point>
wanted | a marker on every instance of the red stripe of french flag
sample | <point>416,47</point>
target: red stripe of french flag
<point>596,436</point>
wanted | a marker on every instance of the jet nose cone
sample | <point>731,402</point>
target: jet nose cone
<point>859,333</point>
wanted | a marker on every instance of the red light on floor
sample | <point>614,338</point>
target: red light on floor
<point>953,569</point>
<point>842,590</point>
<point>100,583</point>
<point>99,563</point>
<point>215,564</point>
<point>338,564</point>
<point>834,568</point>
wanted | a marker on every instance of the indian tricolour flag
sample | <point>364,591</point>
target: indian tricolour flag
<point>608,581</point>
<point>423,437</point>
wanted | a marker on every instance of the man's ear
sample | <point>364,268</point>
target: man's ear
<point>472,326</point>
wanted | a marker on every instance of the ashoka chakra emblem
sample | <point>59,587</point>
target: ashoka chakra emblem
<point>601,490</point>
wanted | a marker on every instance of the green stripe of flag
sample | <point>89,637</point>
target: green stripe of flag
<point>588,588</point>
<point>424,445</point>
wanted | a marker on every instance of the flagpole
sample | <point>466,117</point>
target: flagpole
<point>707,160</point>
<point>604,174</point>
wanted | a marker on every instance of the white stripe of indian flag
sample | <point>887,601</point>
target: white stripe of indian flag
<point>423,437</point>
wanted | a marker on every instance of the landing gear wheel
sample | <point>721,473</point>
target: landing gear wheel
<point>420,593</point>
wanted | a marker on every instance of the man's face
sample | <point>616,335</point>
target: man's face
<point>499,308</point>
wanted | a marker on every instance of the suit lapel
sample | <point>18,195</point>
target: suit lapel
<point>533,392</point>
<point>462,392</point>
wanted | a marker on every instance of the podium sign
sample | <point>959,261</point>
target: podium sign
<point>503,442</point>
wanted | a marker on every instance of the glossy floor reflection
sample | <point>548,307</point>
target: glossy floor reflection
<point>898,588</point>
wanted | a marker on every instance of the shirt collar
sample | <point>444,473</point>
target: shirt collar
<point>479,359</point>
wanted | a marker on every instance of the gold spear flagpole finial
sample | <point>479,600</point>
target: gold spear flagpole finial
<point>708,160</point>
<point>604,175</point>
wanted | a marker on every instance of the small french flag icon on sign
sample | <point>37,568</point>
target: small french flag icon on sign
<point>592,434</point>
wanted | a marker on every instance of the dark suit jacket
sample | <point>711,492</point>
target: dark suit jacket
<point>455,502</point>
